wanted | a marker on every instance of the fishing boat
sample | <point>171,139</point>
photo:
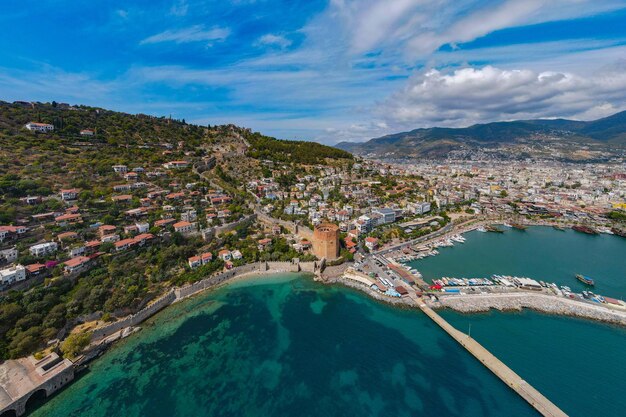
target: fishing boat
<point>585,280</point>
<point>519,226</point>
<point>584,229</point>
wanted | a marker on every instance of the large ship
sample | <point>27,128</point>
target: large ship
<point>585,229</point>
<point>585,280</point>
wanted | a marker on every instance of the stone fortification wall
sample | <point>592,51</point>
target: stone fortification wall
<point>191,289</point>
<point>136,318</point>
<point>232,226</point>
<point>297,229</point>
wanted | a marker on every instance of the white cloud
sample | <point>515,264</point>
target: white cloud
<point>197,33</point>
<point>472,95</point>
<point>413,29</point>
<point>274,40</point>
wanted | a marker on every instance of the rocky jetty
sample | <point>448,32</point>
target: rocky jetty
<point>539,302</point>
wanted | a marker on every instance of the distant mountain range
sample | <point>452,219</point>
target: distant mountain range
<point>541,138</point>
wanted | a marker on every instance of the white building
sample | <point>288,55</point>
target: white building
<point>9,255</point>
<point>69,194</point>
<point>12,275</point>
<point>189,216</point>
<point>142,227</point>
<point>39,127</point>
<point>184,227</point>
<point>76,251</point>
<point>364,224</point>
<point>420,208</point>
<point>43,249</point>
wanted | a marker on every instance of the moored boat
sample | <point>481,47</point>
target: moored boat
<point>519,226</point>
<point>557,227</point>
<point>585,280</point>
<point>494,229</point>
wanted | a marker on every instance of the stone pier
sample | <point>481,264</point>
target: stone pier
<point>506,374</point>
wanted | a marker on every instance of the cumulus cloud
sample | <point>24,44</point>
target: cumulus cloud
<point>197,33</point>
<point>472,95</point>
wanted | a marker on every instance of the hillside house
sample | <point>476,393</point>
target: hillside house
<point>106,229</point>
<point>12,275</point>
<point>203,259</point>
<point>39,127</point>
<point>8,232</point>
<point>184,227</point>
<point>43,249</point>
<point>76,264</point>
<point>69,194</point>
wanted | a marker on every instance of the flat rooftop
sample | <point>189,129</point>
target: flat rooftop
<point>21,376</point>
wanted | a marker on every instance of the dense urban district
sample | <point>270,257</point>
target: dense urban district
<point>103,213</point>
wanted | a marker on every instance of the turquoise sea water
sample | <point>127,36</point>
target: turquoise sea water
<point>289,347</point>
<point>542,253</point>
<point>579,365</point>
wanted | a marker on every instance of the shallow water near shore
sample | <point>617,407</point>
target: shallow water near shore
<point>288,347</point>
<point>541,253</point>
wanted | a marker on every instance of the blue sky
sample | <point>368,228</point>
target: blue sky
<point>327,70</point>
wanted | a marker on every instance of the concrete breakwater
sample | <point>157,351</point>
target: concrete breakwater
<point>539,302</point>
